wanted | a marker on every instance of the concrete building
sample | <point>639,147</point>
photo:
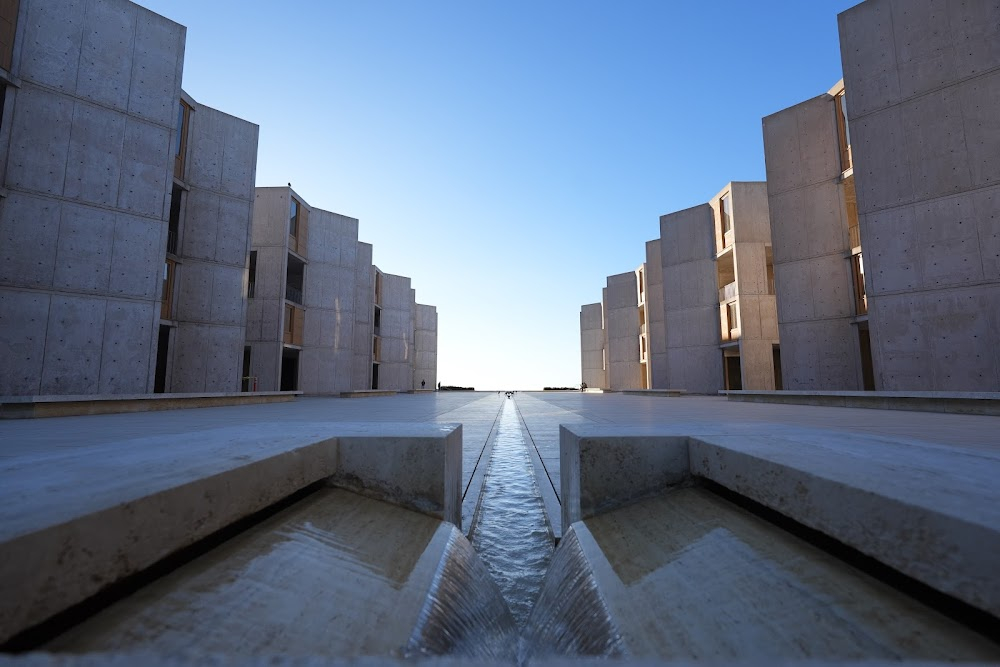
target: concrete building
<point>592,351</point>
<point>203,302</point>
<point>655,334</point>
<point>691,300</point>
<point>748,320</point>
<point>818,262</point>
<point>425,347</point>
<point>113,263</point>
<point>321,318</point>
<point>923,79</point>
<point>623,330</point>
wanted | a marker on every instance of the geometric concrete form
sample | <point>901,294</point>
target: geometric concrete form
<point>622,329</point>
<point>35,407</point>
<point>592,352</point>
<point>817,247</point>
<point>929,513</point>
<point>965,403</point>
<point>687,575</point>
<point>69,530</point>
<point>922,79</point>
<point>691,300</point>
<point>335,575</point>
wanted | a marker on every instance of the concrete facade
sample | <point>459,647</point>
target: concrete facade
<point>748,319</point>
<point>425,347</point>
<point>923,79</point>
<point>592,351</point>
<point>622,330</point>
<point>90,140</point>
<point>203,317</point>
<point>394,335</point>
<point>691,300</point>
<point>822,308</point>
<point>310,315</point>
<point>656,334</point>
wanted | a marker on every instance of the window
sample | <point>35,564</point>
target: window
<point>726,213</point>
<point>289,318</point>
<point>180,145</point>
<point>252,281</point>
<point>733,318</point>
<point>293,218</point>
<point>167,293</point>
<point>8,24</point>
<point>173,230</point>
<point>843,132</point>
<point>858,274</point>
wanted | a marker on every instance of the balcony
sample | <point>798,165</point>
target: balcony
<point>728,292</point>
<point>172,241</point>
<point>293,294</point>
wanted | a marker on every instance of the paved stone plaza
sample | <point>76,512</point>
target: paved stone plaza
<point>62,462</point>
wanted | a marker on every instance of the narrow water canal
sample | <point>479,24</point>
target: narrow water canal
<point>511,533</point>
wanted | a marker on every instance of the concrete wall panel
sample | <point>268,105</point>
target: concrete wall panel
<point>982,124</point>
<point>200,237</point>
<point>126,347</point>
<point>987,215</point>
<point>144,180</point>
<point>157,63</point>
<point>882,175</point>
<point>83,259</point>
<point>108,41</point>
<point>39,144</point>
<point>94,161</point>
<point>232,244</point>
<point>869,59</point>
<point>137,257</point>
<point>53,33</point>
<point>934,341</point>
<point>73,345</point>
<point>820,355</point>
<point>29,231</point>
<point>23,323</point>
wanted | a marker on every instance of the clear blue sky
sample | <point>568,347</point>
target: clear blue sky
<point>507,155</point>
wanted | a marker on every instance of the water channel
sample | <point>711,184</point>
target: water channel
<point>511,533</point>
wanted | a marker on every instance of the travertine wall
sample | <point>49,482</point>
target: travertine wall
<point>923,80</point>
<point>812,271</point>
<point>621,320</point>
<point>655,317</point>
<point>327,355</point>
<point>425,333</point>
<point>214,243</point>
<point>592,346</point>
<point>691,300</point>
<point>83,227</point>
<point>396,366</point>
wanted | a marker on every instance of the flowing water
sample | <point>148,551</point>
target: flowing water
<point>511,533</point>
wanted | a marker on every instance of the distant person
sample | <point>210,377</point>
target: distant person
<point>583,386</point>
<point>423,383</point>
